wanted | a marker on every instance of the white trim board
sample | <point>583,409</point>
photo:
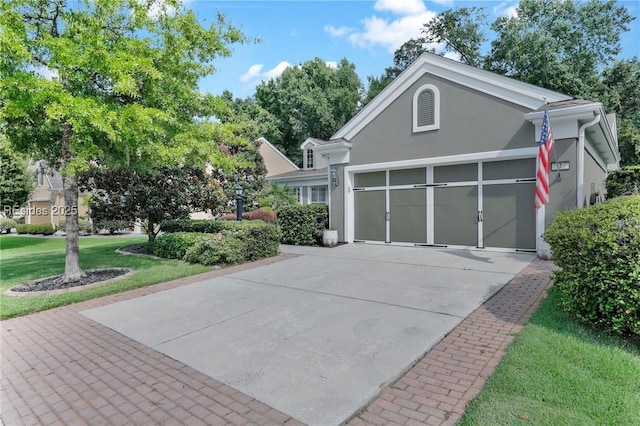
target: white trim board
<point>510,154</point>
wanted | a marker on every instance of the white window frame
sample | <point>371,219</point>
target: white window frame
<point>315,190</point>
<point>309,153</point>
<point>436,109</point>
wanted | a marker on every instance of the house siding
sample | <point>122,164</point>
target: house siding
<point>467,124</point>
<point>562,195</point>
<point>594,179</point>
<point>274,163</point>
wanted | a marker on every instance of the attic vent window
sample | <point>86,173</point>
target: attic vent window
<point>309,159</point>
<point>426,108</point>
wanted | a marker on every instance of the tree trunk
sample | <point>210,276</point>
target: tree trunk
<point>72,270</point>
<point>150,231</point>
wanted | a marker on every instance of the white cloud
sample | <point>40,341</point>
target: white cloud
<point>443,2</point>
<point>337,32</point>
<point>390,34</point>
<point>401,7</point>
<point>277,70</point>
<point>396,22</point>
<point>506,8</point>
<point>332,64</point>
<point>253,72</point>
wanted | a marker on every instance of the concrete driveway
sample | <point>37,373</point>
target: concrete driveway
<point>316,336</point>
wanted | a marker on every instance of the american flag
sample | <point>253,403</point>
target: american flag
<point>544,165</point>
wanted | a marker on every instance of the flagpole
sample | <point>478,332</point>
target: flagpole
<point>555,158</point>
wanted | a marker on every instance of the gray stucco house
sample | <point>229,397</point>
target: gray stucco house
<point>446,155</point>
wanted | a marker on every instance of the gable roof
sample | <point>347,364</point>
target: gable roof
<point>517,92</point>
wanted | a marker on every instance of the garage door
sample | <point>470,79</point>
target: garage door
<point>472,205</point>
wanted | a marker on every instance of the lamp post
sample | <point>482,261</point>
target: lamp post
<point>239,190</point>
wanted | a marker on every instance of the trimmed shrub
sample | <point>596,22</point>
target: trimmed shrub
<point>236,243</point>
<point>261,239</point>
<point>188,225</point>
<point>224,248</point>
<point>44,228</point>
<point>625,181</point>
<point>303,225</point>
<point>174,245</point>
<point>7,224</point>
<point>83,226</point>
<point>112,226</point>
<point>598,249</point>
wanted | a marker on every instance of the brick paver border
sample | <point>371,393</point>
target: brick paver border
<point>59,367</point>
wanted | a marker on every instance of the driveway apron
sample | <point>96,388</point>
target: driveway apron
<point>318,335</point>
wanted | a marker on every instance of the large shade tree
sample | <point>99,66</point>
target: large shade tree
<point>313,99</point>
<point>110,81</point>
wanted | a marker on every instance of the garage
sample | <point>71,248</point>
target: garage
<point>485,204</point>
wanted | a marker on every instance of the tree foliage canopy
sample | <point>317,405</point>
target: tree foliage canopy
<point>15,182</point>
<point>312,99</point>
<point>112,81</point>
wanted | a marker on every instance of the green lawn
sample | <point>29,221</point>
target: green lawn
<point>28,258</point>
<point>560,373</point>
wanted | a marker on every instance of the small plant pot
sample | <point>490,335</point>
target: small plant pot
<point>330,237</point>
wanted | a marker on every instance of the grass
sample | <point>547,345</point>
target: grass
<point>558,372</point>
<point>28,258</point>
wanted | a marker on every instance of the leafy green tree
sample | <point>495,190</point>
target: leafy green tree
<point>311,99</point>
<point>15,181</point>
<point>402,58</point>
<point>254,120</point>
<point>164,193</point>
<point>121,86</point>
<point>619,91</point>
<point>562,45</point>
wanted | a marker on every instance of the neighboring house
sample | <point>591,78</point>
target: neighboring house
<point>46,204</point>
<point>310,184</point>
<point>446,155</point>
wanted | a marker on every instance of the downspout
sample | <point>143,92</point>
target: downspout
<point>580,170</point>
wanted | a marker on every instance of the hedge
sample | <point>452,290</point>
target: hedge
<point>188,225</point>
<point>83,226</point>
<point>236,242</point>
<point>302,225</point>
<point>598,251</point>
<point>44,228</point>
<point>625,181</point>
<point>112,226</point>
<point>7,224</point>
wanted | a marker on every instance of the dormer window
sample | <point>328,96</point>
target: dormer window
<point>426,108</point>
<point>309,158</point>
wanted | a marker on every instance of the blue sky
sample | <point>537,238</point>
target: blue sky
<point>366,32</point>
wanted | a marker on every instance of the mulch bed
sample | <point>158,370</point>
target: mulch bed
<point>56,282</point>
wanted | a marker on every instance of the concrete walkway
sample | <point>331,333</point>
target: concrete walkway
<point>61,367</point>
